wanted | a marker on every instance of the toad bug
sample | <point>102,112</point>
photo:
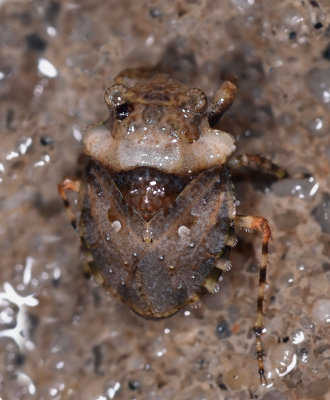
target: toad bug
<point>157,208</point>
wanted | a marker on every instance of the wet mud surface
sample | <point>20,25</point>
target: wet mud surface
<point>64,337</point>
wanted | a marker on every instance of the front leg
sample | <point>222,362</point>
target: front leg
<point>73,185</point>
<point>222,100</point>
<point>260,224</point>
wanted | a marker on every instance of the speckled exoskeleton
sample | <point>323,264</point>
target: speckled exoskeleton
<point>157,205</point>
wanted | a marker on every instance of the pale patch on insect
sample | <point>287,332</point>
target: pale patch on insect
<point>116,226</point>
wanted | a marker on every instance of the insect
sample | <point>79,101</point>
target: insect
<point>157,207</point>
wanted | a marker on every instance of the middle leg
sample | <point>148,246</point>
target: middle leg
<point>247,160</point>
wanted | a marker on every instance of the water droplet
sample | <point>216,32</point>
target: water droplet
<point>287,360</point>
<point>28,270</point>
<point>223,330</point>
<point>45,159</point>
<point>107,237</point>
<point>314,188</point>
<point>24,380</point>
<point>303,355</point>
<point>192,245</point>
<point>147,235</point>
<point>51,31</point>
<point>321,311</point>
<point>116,225</point>
<point>183,231</point>
<point>326,96</point>
<point>290,280</point>
<point>46,68</point>
<point>11,155</point>
<point>60,365</point>
<point>77,133</point>
<point>53,392</point>
<point>318,82</point>
<point>24,145</point>
<point>306,323</point>
<point>318,123</point>
<point>159,346</point>
<point>301,188</point>
<point>161,258</point>
<point>112,389</point>
<point>321,213</point>
<point>298,336</point>
<point>317,127</point>
<point>134,385</point>
<point>216,289</point>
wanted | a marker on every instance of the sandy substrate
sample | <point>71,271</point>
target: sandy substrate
<point>64,337</point>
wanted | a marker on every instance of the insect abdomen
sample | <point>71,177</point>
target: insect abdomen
<point>156,266</point>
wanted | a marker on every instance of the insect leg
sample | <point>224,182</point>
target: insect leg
<point>248,160</point>
<point>259,224</point>
<point>222,100</point>
<point>73,185</point>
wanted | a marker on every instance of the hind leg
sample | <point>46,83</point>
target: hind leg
<point>259,224</point>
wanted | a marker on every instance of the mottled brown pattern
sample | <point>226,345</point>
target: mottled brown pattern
<point>79,342</point>
<point>156,277</point>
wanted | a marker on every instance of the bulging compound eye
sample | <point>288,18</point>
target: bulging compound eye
<point>115,97</point>
<point>197,100</point>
